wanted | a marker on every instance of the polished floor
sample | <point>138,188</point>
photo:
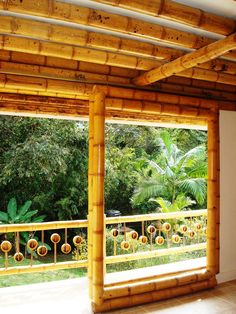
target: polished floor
<point>70,296</point>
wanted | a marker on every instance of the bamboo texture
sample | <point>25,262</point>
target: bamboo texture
<point>157,216</point>
<point>180,13</point>
<point>148,297</point>
<point>190,60</point>
<point>74,75</point>
<point>98,198</point>
<point>156,284</point>
<point>42,267</point>
<point>212,201</point>
<point>110,21</point>
<point>5,228</point>
<point>85,55</point>
<point>90,198</point>
<point>154,253</point>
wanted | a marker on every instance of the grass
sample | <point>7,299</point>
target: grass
<point>24,279</point>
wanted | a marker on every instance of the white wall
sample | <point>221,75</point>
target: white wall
<point>227,196</point>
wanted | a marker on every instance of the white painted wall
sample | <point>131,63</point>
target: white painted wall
<point>227,196</point>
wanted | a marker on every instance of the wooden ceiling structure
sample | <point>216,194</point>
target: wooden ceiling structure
<point>152,61</point>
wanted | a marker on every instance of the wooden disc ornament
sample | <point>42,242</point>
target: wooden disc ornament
<point>133,235</point>
<point>125,245</point>
<point>198,227</point>
<point>166,227</point>
<point>191,234</point>
<point>205,230</point>
<point>18,257</point>
<point>114,233</point>
<point>42,250</point>
<point>159,240</point>
<point>151,229</point>
<point>175,238</point>
<point>183,229</point>
<point>32,244</point>
<point>6,246</point>
<point>143,240</point>
<point>77,240</point>
<point>55,238</point>
<point>66,248</point>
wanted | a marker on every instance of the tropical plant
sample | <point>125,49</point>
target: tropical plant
<point>175,173</point>
<point>23,214</point>
<point>181,202</point>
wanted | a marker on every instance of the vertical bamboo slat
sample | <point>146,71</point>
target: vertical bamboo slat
<point>98,198</point>
<point>90,195</point>
<point>218,198</point>
<point>212,201</point>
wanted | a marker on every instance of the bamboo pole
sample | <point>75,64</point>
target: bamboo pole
<point>110,21</point>
<point>157,216</point>
<point>154,253</point>
<point>212,200</point>
<point>101,58</point>
<point>148,297</point>
<point>156,284</point>
<point>178,12</point>
<point>90,198</point>
<point>190,60</point>
<point>73,75</point>
<point>5,228</point>
<point>42,267</point>
<point>98,198</point>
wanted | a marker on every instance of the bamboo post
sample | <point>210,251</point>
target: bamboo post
<point>212,200</point>
<point>90,195</point>
<point>98,160</point>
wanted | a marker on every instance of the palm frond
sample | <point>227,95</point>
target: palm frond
<point>196,187</point>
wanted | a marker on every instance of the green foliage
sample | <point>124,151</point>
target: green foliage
<point>14,215</point>
<point>173,173</point>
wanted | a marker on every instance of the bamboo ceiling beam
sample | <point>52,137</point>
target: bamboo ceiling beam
<point>79,76</point>
<point>180,13</point>
<point>190,60</point>
<point>51,49</point>
<point>25,83</point>
<point>51,54</point>
<point>79,37</point>
<point>104,20</point>
<point>83,38</point>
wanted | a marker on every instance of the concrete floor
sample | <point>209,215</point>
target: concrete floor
<point>61,297</point>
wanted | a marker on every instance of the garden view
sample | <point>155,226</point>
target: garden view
<point>43,177</point>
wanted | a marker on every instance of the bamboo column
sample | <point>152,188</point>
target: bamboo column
<point>212,201</point>
<point>98,161</point>
<point>90,195</point>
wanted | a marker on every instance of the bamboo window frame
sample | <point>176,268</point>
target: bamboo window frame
<point>107,298</point>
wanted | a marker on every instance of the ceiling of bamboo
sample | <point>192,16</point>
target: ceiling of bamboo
<point>55,51</point>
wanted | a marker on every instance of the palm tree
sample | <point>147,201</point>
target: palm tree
<point>176,173</point>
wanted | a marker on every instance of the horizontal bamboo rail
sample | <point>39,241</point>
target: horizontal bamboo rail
<point>156,284</point>
<point>82,76</point>
<point>4,228</point>
<point>180,13</point>
<point>190,60</point>
<point>43,267</point>
<point>157,216</point>
<point>154,253</point>
<point>148,297</point>
<point>108,21</point>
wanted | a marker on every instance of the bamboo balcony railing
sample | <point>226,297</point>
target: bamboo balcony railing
<point>134,238</point>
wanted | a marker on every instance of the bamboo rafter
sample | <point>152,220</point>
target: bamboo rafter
<point>190,60</point>
<point>85,55</point>
<point>100,19</point>
<point>73,75</point>
<point>180,13</point>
